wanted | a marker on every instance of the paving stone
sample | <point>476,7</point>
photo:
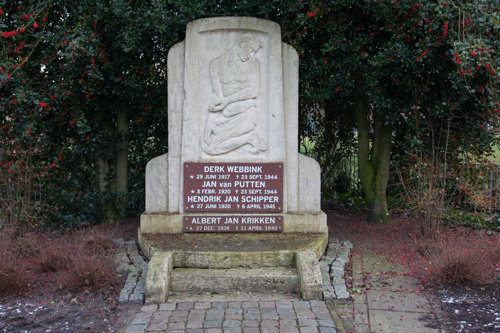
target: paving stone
<point>214,314</point>
<point>329,295</point>
<point>327,259</point>
<point>220,304</point>
<point>267,310</point>
<point>161,315</point>
<point>316,303</point>
<point>161,326</point>
<point>269,330</point>
<point>289,329</point>
<point>327,330</point>
<point>167,306</point>
<point>178,318</point>
<point>251,316</point>
<point>195,324</point>
<point>250,323</point>
<point>197,312</point>
<point>348,244</point>
<point>149,308</point>
<point>233,316</point>
<point>301,304</point>
<point>288,322</point>
<point>185,305</point>
<point>212,323</point>
<point>180,313</point>
<point>202,305</point>
<point>308,329</point>
<point>124,296</point>
<point>213,330</point>
<point>270,315</point>
<point>290,316</point>
<point>323,316</point>
<point>307,322</point>
<point>193,330</point>
<point>216,311</point>
<point>337,271</point>
<point>248,304</point>
<point>137,298</point>
<point>234,310</point>
<point>269,323</point>
<point>284,304</point>
<point>176,326</point>
<point>232,330</point>
<point>231,323</point>
<point>304,311</point>
<point>141,319</point>
<point>267,304</point>
<point>251,330</point>
<point>319,309</point>
<point>196,317</point>
<point>326,323</point>
<point>342,293</point>
<point>284,310</point>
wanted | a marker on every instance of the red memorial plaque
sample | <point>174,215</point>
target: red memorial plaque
<point>228,223</point>
<point>233,187</point>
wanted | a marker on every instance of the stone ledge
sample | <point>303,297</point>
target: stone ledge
<point>220,251</point>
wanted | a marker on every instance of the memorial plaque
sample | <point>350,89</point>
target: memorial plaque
<point>228,223</point>
<point>233,187</point>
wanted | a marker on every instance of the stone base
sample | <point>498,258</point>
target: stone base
<point>214,258</point>
<point>164,223</point>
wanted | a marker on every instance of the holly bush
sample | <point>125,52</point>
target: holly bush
<point>83,88</point>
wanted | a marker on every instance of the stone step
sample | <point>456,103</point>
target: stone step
<point>220,251</point>
<point>276,279</point>
<point>184,297</point>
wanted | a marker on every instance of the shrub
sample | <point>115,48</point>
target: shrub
<point>27,245</point>
<point>55,257</point>
<point>461,263</point>
<point>97,243</point>
<point>11,277</point>
<point>89,272</point>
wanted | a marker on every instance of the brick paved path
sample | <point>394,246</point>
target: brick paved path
<point>234,316</point>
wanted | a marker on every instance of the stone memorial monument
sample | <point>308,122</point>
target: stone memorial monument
<point>233,167</point>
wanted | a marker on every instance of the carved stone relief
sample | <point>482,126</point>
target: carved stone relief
<point>233,114</point>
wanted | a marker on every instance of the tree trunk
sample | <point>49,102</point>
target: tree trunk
<point>122,160</point>
<point>114,191</point>
<point>373,160</point>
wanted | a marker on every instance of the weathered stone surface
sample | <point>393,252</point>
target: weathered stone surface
<point>157,280</point>
<point>226,280</point>
<point>310,275</point>
<point>157,184</point>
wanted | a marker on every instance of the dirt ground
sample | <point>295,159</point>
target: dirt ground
<point>45,307</point>
<point>463,308</point>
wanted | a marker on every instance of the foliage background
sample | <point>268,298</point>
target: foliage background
<point>84,105</point>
